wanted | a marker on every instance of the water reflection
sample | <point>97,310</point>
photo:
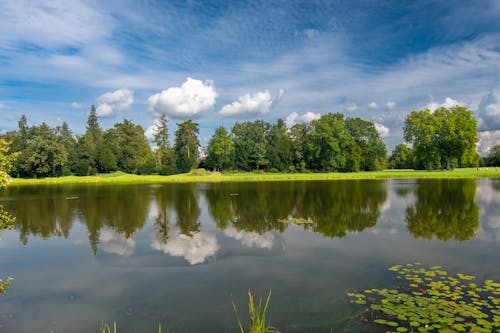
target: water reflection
<point>444,208</point>
<point>251,213</point>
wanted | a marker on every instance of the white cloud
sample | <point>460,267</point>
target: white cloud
<point>487,139</point>
<point>113,242</point>
<point>448,103</point>
<point>76,105</point>
<point>250,104</point>
<point>191,99</point>
<point>488,112</point>
<point>294,118</point>
<point>251,239</point>
<point>382,130</point>
<point>373,105</point>
<point>113,102</point>
<point>351,107</point>
<point>390,105</point>
<point>195,249</point>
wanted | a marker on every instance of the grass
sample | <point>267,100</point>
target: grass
<point>257,313</point>
<point>214,177</point>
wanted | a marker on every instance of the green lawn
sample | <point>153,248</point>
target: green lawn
<point>122,178</point>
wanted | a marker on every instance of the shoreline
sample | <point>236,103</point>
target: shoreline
<point>215,177</point>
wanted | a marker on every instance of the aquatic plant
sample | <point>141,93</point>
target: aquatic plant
<point>106,328</point>
<point>257,312</point>
<point>431,300</point>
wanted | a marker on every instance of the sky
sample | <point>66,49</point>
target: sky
<point>220,62</point>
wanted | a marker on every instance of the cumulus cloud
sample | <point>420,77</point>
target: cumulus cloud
<point>251,104</point>
<point>390,105</point>
<point>251,239</point>
<point>113,242</point>
<point>195,249</point>
<point>487,139</point>
<point>191,99</point>
<point>112,102</point>
<point>76,105</point>
<point>488,112</point>
<point>351,107</point>
<point>382,130</point>
<point>294,118</point>
<point>448,103</point>
<point>373,105</point>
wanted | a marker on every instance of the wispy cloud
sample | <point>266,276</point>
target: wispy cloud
<point>112,102</point>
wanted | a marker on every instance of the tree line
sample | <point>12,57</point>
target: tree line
<point>443,139</point>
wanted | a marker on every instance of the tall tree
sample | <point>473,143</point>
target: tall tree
<point>279,147</point>
<point>298,136</point>
<point>65,137</point>
<point>86,151</point>
<point>220,150</point>
<point>401,158</point>
<point>134,152</point>
<point>250,144</point>
<point>186,146</point>
<point>165,160</point>
<point>329,143</point>
<point>369,152</point>
<point>494,156</point>
<point>444,138</point>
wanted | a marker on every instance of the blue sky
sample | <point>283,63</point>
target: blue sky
<point>225,61</point>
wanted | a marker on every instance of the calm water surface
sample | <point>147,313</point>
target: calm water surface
<point>180,254</point>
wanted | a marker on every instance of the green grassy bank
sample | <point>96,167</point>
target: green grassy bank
<point>209,177</point>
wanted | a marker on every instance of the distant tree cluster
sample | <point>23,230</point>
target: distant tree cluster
<point>330,143</point>
<point>43,151</point>
<point>443,139</point>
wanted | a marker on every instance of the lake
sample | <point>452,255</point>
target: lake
<point>180,254</point>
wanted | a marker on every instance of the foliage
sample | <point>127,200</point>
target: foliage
<point>220,150</point>
<point>494,156</point>
<point>186,146</point>
<point>432,300</point>
<point>257,312</point>
<point>250,144</point>
<point>401,158</point>
<point>6,220</point>
<point>279,147</point>
<point>106,328</point>
<point>369,151</point>
<point>445,138</point>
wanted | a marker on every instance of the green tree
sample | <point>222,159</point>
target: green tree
<point>494,156</point>
<point>65,137</point>
<point>133,151</point>
<point>220,150</point>
<point>86,162</point>
<point>328,144</point>
<point>250,144</point>
<point>6,220</point>
<point>444,138</point>
<point>44,155</point>
<point>186,146</point>
<point>165,159</point>
<point>401,158</point>
<point>298,136</point>
<point>279,147</point>
<point>369,152</point>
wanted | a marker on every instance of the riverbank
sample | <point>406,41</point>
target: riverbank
<point>214,177</point>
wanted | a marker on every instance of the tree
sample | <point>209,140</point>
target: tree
<point>279,147</point>
<point>494,156</point>
<point>328,144</point>
<point>133,151</point>
<point>220,150</point>
<point>369,152</point>
<point>444,138</point>
<point>401,158</point>
<point>165,160</point>
<point>250,144</point>
<point>6,220</point>
<point>298,136</point>
<point>186,146</point>
<point>86,151</point>
<point>44,155</point>
<point>65,137</point>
